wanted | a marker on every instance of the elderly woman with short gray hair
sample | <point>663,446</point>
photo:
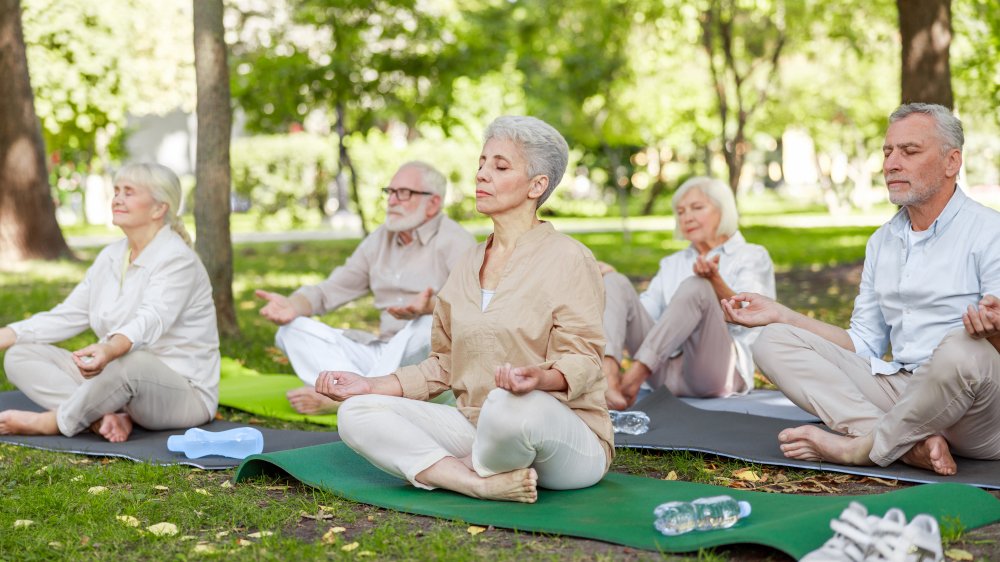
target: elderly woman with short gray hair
<point>675,331</point>
<point>517,336</point>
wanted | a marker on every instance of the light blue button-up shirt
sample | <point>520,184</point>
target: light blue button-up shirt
<point>912,297</point>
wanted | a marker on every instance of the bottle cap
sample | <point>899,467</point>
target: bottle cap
<point>744,509</point>
<point>175,443</point>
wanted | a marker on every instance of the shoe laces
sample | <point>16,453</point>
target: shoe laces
<point>896,541</point>
<point>851,539</point>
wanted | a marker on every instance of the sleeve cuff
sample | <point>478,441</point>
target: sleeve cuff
<point>312,294</point>
<point>413,383</point>
<point>860,346</point>
<point>574,369</point>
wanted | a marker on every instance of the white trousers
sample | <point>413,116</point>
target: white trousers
<point>405,437</point>
<point>312,347</point>
<point>152,394</point>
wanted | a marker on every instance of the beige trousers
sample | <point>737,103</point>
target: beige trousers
<point>404,437</point>
<point>955,394</point>
<point>152,394</point>
<point>693,324</point>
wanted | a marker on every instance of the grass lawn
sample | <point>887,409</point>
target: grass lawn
<point>818,270</point>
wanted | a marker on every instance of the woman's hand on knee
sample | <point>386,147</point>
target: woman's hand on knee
<point>92,359</point>
<point>522,380</point>
<point>341,385</point>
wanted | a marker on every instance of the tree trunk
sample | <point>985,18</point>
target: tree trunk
<point>28,227</point>
<point>212,172</point>
<point>346,164</point>
<point>925,27</point>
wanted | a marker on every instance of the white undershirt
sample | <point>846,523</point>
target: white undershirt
<point>487,297</point>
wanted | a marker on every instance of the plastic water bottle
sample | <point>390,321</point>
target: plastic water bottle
<point>236,443</point>
<point>704,514</point>
<point>633,423</point>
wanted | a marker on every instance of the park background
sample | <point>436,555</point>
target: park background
<point>785,100</point>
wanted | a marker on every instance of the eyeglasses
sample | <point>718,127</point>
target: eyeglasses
<point>403,193</point>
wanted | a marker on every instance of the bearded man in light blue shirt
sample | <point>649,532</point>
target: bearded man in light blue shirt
<point>929,289</point>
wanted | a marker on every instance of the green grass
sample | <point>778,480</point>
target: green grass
<point>51,489</point>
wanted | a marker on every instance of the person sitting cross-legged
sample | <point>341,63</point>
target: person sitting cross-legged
<point>929,288</point>
<point>517,336</point>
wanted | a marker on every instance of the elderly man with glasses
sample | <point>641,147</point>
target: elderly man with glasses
<point>403,263</point>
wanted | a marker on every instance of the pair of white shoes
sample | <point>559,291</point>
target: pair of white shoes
<point>859,537</point>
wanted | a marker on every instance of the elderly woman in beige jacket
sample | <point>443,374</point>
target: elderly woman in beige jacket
<point>517,335</point>
<point>149,301</point>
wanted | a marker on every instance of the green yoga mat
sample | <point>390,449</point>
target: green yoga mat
<point>245,389</point>
<point>619,509</point>
<point>264,394</point>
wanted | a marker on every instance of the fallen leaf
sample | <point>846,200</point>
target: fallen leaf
<point>371,517</point>
<point>96,490</point>
<point>163,529</point>
<point>475,530</point>
<point>45,468</point>
<point>260,534</point>
<point>221,534</point>
<point>747,475</point>
<point>350,547</point>
<point>76,478</point>
<point>325,508</point>
<point>202,491</point>
<point>84,540</point>
<point>330,536</point>
<point>243,542</point>
<point>75,461</point>
<point>317,517</point>
<point>188,538</point>
<point>23,523</point>
<point>958,554</point>
<point>365,553</point>
<point>161,488</point>
<point>226,484</point>
<point>672,475</point>
<point>277,488</point>
<point>203,548</point>
<point>128,520</point>
<point>56,544</point>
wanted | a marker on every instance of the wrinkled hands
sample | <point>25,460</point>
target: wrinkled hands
<point>91,360</point>
<point>751,309</point>
<point>341,385</point>
<point>421,304</point>
<point>518,380</point>
<point>707,268</point>
<point>984,321</point>
<point>279,308</point>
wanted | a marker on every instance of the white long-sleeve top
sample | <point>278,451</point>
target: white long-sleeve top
<point>743,266</point>
<point>163,305</point>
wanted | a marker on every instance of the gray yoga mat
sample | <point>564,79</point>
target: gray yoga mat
<point>151,446</point>
<point>770,403</point>
<point>676,426</point>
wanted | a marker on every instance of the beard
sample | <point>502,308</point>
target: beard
<point>914,196</point>
<point>407,221</point>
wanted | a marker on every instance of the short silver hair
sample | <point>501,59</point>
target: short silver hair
<point>721,197</point>
<point>165,187</point>
<point>948,126</point>
<point>542,146</point>
<point>430,178</point>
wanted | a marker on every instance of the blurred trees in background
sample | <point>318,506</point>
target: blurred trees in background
<point>763,93</point>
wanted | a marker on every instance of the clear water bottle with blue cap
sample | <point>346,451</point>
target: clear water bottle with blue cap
<point>703,514</point>
<point>236,443</point>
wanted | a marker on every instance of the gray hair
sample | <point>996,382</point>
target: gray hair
<point>542,146</point>
<point>163,185</point>
<point>721,197</point>
<point>948,126</point>
<point>430,178</point>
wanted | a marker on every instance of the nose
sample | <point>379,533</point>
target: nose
<point>481,175</point>
<point>393,196</point>
<point>891,163</point>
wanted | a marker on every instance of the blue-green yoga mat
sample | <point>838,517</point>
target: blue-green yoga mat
<point>619,509</point>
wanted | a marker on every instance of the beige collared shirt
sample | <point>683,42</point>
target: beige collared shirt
<point>547,311</point>
<point>163,306</point>
<point>393,272</point>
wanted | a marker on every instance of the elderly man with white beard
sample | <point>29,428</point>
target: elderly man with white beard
<point>403,264</point>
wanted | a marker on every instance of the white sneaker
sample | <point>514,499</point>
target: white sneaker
<point>852,537</point>
<point>919,541</point>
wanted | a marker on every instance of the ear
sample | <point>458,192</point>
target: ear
<point>433,206</point>
<point>161,210</point>
<point>953,162</point>
<point>538,186</point>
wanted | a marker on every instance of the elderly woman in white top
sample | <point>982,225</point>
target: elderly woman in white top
<point>149,301</point>
<point>675,331</point>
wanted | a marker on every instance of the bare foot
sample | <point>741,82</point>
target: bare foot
<point>615,399</point>
<point>932,453</point>
<point>810,443</point>
<point>632,380</point>
<point>306,400</point>
<point>612,373</point>
<point>114,427</point>
<point>514,486</point>
<point>20,422</point>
